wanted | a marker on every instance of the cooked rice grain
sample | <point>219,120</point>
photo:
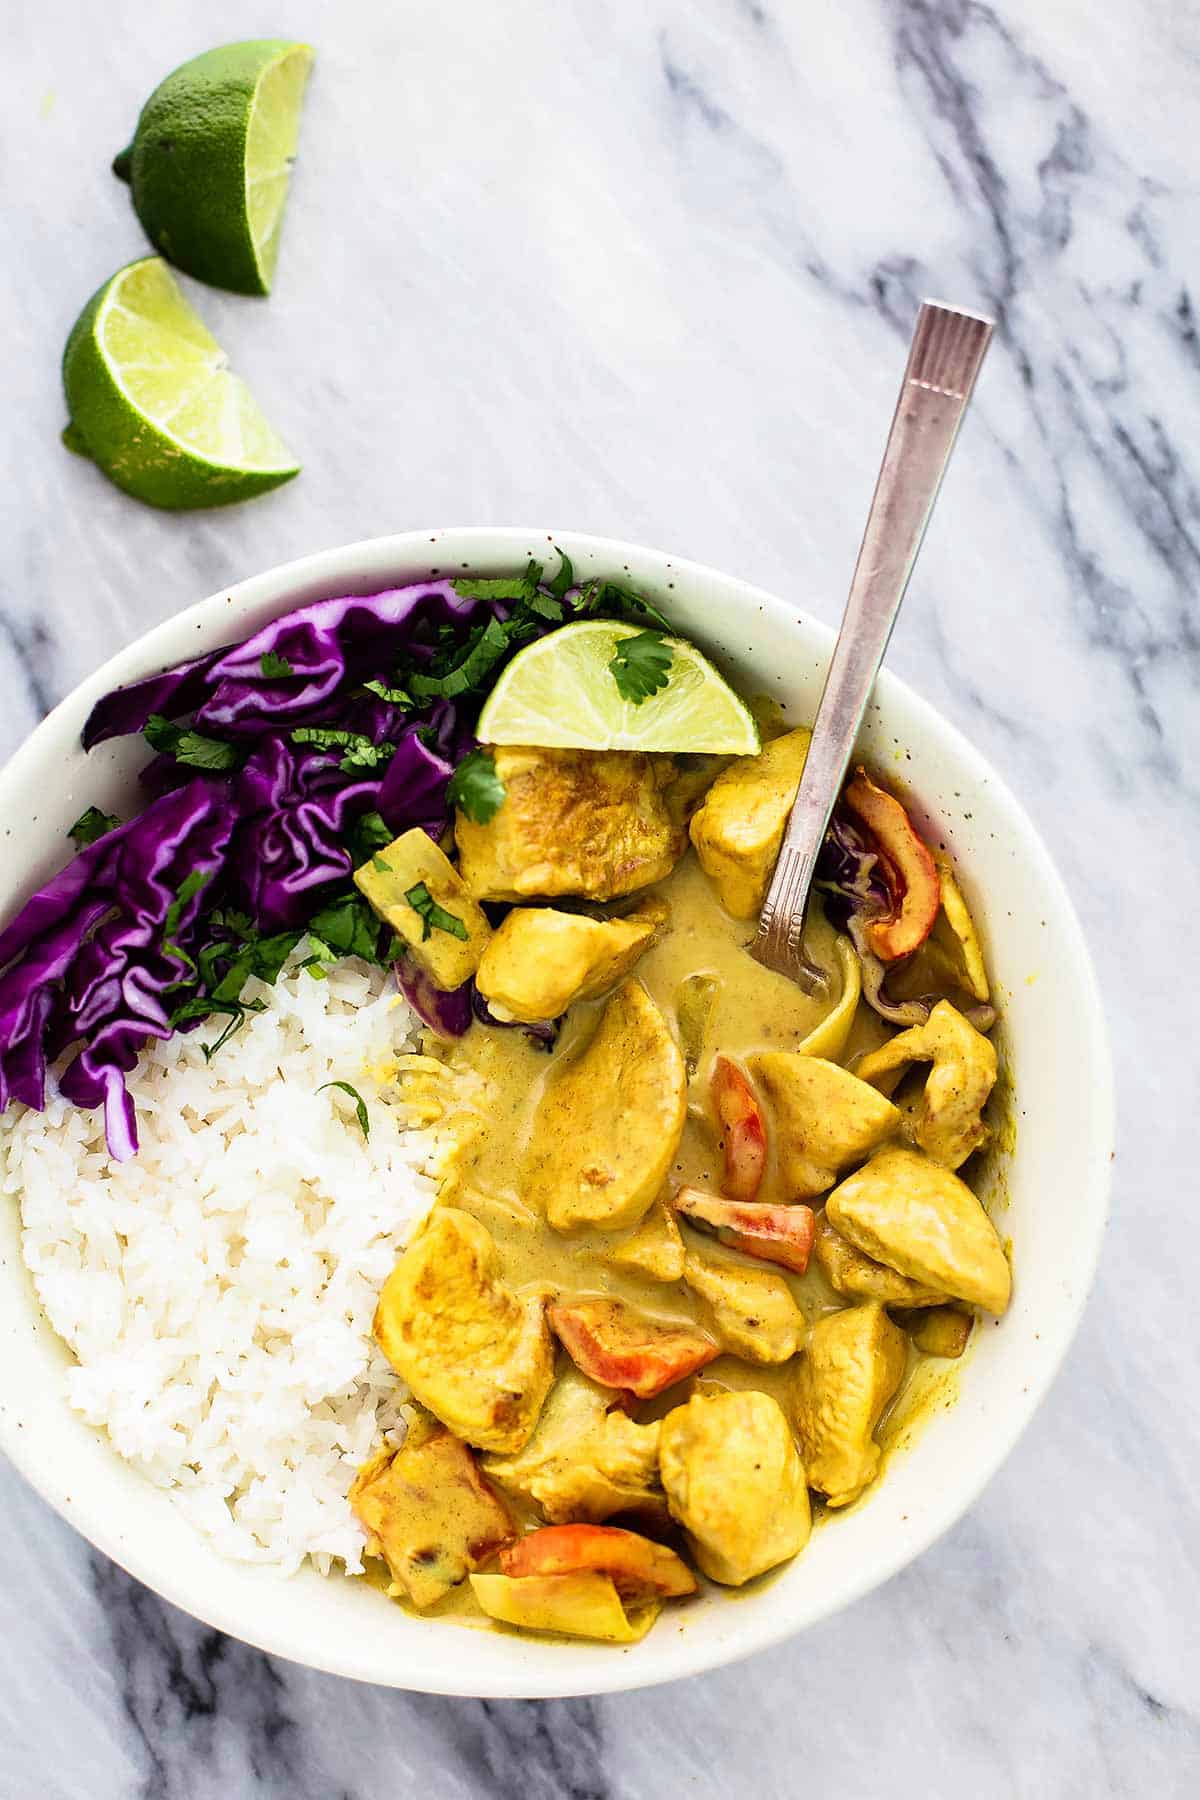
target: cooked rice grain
<point>217,1290</point>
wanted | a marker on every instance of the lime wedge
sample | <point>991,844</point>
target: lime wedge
<point>211,158</point>
<point>152,402</point>
<point>560,693</point>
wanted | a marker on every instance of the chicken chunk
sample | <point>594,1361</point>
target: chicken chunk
<point>860,1277</point>
<point>587,1459</point>
<point>540,961</point>
<point>751,1311</point>
<point>592,822</point>
<point>735,1483</point>
<point>940,1331</point>
<point>654,1249</point>
<point>825,1118</point>
<point>609,1123</point>
<point>479,1358</point>
<point>445,930</point>
<point>949,1125</point>
<point>852,1365</point>
<point>428,1512</point>
<point>907,1211</point>
<point>738,830</point>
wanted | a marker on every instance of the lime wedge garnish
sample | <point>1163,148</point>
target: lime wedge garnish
<point>153,403</point>
<point>211,158</point>
<point>560,693</point>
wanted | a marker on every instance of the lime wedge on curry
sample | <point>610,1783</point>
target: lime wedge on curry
<point>211,158</point>
<point>561,692</point>
<point>152,402</point>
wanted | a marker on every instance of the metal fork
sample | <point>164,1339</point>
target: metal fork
<point>948,347</point>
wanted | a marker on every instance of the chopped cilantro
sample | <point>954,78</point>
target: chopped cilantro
<point>395,696</point>
<point>365,835</point>
<point>348,926</point>
<point>360,1105</point>
<point>475,788</point>
<point>90,825</point>
<point>361,753</point>
<point>274,667</point>
<point>484,650</point>
<point>188,888</point>
<point>191,748</point>
<point>564,580</point>
<point>641,666</point>
<point>432,916</point>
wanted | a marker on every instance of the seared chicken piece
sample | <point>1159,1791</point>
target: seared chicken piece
<point>428,1512</point>
<point>907,1211</point>
<point>738,830</point>
<point>941,1331</point>
<point>478,1357</point>
<point>852,1365</point>
<point>860,1277</point>
<point>948,1126</point>
<point>586,1460</point>
<point>540,961</point>
<point>610,1120</point>
<point>592,822</point>
<point>825,1118</point>
<point>655,1248</point>
<point>413,868</point>
<point>735,1483</point>
<point>751,1311</point>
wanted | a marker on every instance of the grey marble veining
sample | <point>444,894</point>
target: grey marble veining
<point>647,270</point>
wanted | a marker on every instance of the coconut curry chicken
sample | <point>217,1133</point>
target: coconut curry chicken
<point>698,1228</point>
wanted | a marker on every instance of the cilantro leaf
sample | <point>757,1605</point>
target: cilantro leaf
<point>90,825</point>
<point>611,600</point>
<point>349,926</point>
<point>432,916</point>
<point>187,890</point>
<point>395,696</point>
<point>365,835</point>
<point>191,748</point>
<point>482,654</point>
<point>565,579</point>
<point>361,753</point>
<point>498,587</point>
<point>641,666</point>
<point>475,788</point>
<point>360,1105</point>
<point>203,1007</point>
<point>274,667</point>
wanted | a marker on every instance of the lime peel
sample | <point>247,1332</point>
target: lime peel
<point>153,403</point>
<point>559,693</point>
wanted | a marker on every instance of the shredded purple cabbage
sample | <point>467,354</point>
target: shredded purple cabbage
<point>250,835</point>
<point>89,957</point>
<point>446,1011</point>
<point>543,1032</point>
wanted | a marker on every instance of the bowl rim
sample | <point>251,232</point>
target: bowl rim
<point>694,1654</point>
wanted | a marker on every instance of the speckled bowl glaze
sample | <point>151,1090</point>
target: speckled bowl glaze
<point>1051,1183</point>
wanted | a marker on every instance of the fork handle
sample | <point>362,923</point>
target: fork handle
<point>947,350</point>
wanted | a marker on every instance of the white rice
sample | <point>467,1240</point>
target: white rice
<point>217,1289</point>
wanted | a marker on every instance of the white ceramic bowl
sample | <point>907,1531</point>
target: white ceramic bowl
<point>1057,1177</point>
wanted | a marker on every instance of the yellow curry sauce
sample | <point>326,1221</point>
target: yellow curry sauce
<point>839,1364</point>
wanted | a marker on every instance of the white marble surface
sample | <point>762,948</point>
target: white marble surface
<point>645,269</point>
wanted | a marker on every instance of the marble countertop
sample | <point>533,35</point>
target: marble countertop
<point>647,270</point>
